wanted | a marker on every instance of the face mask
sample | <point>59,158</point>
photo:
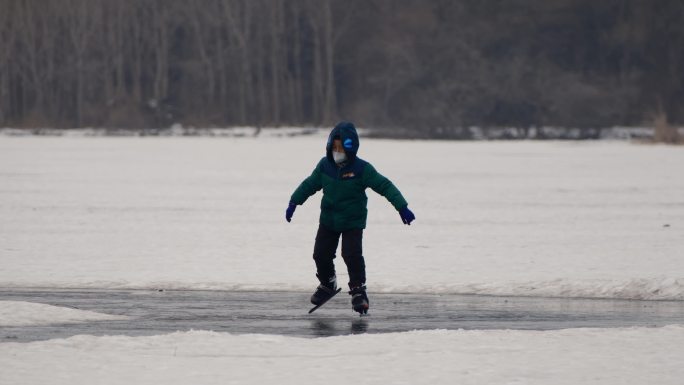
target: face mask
<point>339,157</point>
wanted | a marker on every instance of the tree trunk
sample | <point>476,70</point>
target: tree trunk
<point>161,54</point>
<point>276,31</point>
<point>330,107</point>
<point>317,80</point>
<point>239,24</point>
<point>262,102</point>
<point>297,92</point>
<point>200,27</point>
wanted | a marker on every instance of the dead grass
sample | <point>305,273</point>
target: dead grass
<point>664,132</point>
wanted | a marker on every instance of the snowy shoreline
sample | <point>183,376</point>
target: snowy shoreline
<point>474,133</point>
<point>19,313</point>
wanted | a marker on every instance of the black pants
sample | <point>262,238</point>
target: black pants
<point>352,253</point>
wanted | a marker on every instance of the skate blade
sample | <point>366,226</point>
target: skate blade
<point>362,311</point>
<point>324,302</point>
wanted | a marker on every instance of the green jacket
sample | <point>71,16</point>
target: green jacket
<point>344,202</point>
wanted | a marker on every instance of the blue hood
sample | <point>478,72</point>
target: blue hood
<point>350,140</point>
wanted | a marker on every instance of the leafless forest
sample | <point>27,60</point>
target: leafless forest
<point>429,66</point>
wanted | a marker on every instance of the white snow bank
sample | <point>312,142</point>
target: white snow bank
<point>622,133</point>
<point>574,356</point>
<point>15,313</point>
<point>174,130</point>
<point>591,219</point>
<point>659,288</point>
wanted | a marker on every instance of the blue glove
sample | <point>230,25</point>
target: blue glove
<point>290,211</point>
<point>406,216</point>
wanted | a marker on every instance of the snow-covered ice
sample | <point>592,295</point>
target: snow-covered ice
<point>19,313</point>
<point>589,219</point>
<point>575,356</point>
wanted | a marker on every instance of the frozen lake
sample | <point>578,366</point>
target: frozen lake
<point>568,219</point>
<point>101,224</point>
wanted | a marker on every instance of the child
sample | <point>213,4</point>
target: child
<point>344,179</point>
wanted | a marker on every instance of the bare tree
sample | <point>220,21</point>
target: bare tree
<point>421,65</point>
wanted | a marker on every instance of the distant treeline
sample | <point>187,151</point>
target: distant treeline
<point>432,66</point>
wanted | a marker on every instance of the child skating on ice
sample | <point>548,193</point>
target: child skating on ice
<point>344,177</point>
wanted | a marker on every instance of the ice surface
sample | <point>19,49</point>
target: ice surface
<point>18,313</point>
<point>599,219</point>
<point>575,356</point>
<point>589,219</point>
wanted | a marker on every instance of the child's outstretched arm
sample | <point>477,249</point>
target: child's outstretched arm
<point>307,188</point>
<point>383,186</point>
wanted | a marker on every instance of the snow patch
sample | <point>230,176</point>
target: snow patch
<point>563,357</point>
<point>660,288</point>
<point>17,313</point>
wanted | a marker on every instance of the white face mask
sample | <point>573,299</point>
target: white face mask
<point>339,157</point>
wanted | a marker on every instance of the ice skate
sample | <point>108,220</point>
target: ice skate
<point>359,299</point>
<point>324,291</point>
